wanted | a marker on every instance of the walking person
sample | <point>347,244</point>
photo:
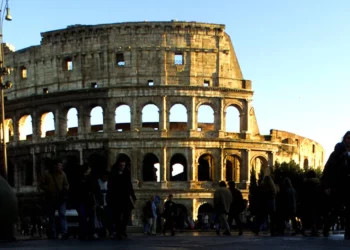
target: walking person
<point>152,216</point>
<point>289,197</point>
<point>103,211</point>
<point>336,183</point>
<point>236,208</point>
<point>222,204</point>
<point>120,196</point>
<point>86,200</point>
<point>55,185</point>
<point>169,214</point>
<point>8,211</point>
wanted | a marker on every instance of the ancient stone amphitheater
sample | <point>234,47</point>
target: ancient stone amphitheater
<point>168,97</point>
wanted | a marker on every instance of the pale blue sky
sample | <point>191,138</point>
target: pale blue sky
<point>294,51</point>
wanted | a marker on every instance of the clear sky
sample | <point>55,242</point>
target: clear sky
<point>296,52</point>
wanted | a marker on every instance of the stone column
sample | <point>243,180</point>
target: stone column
<point>271,160</point>
<point>192,118</point>
<point>84,125</point>
<point>35,177</point>
<point>36,125</point>
<point>245,173</point>
<point>60,123</point>
<point>135,116</point>
<point>194,167</point>
<point>163,169</point>
<point>222,167</point>
<point>15,121</point>
<point>109,118</point>
<point>164,115</point>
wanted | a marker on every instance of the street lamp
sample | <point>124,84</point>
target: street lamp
<point>4,71</point>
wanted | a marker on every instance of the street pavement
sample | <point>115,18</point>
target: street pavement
<point>188,240</point>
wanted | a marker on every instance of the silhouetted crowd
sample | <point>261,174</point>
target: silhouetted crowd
<point>104,204</point>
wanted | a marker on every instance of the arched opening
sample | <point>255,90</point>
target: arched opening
<point>96,119</point>
<point>47,125</point>
<point>261,166</point>
<point>178,117</point>
<point>205,216</point>
<point>180,216</point>
<point>25,127</point>
<point>122,118</point>
<point>72,121</point>
<point>178,168</point>
<point>232,120</point>
<point>205,118</point>
<point>150,117</point>
<point>149,170</point>
<point>233,167</point>
<point>205,167</point>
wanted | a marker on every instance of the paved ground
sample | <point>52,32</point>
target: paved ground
<point>192,240</point>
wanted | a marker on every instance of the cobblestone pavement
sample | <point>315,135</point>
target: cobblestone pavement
<point>191,240</point>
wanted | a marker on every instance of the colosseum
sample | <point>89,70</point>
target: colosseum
<point>168,97</point>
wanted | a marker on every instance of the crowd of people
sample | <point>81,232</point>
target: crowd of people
<point>104,204</point>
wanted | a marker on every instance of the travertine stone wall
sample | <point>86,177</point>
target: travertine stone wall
<point>135,64</point>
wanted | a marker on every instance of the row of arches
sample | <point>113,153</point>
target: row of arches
<point>178,167</point>
<point>150,118</point>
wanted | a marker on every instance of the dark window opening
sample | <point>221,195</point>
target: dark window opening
<point>150,82</point>
<point>45,90</point>
<point>94,85</point>
<point>120,59</point>
<point>178,59</point>
<point>206,83</point>
<point>313,148</point>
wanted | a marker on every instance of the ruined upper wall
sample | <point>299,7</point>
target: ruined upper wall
<point>148,52</point>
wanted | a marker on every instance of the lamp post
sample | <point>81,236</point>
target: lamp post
<point>4,71</point>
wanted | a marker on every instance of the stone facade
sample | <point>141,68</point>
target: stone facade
<point>134,65</point>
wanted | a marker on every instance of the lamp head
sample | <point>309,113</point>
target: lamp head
<point>8,15</point>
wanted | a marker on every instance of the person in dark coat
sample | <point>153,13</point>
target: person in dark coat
<point>86,200</point>
<point>310,202</point>
<point>8,211</point>
<point>121,197</point>
<point>289,198</point>
<point>336,182</point>
<point>169,214</point>
<point>222,203</point>
<point>237,206</point>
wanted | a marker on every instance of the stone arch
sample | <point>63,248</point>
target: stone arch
<point>47,126</point>
<point>233,165</point>
<point>25,127</point>
<point>177,162</point>
<point>205,117</point>
<point>72,121</point>
<point>178,117</point>
<point>206,165</point>
<point>122,117</point>
<point>96,119</point>
<point>150,116</point>
<point>260,164</point>
<point>149,169</point>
